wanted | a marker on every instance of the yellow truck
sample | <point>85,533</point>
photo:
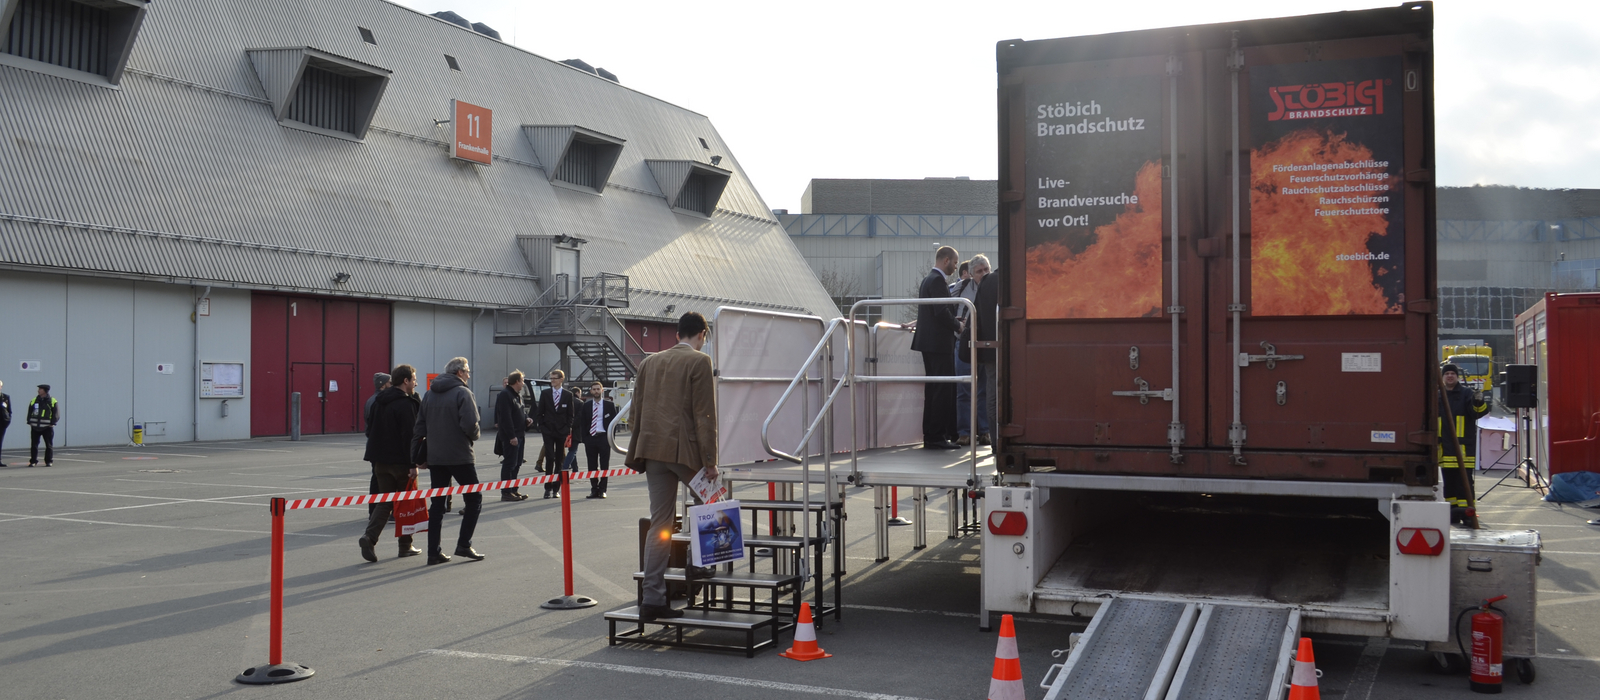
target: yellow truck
<point>1477,370</point>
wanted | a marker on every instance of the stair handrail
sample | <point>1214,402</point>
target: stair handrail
<point>801,378</point>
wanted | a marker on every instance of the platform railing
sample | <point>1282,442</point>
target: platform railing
<point>971,379</point>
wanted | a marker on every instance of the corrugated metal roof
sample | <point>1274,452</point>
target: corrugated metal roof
<point>185,172</point>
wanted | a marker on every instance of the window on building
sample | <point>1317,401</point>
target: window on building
<point>93,38</point>
<point>317,91</point>
<point>451,61</point>
<point>366,35</point>
<point>691,187</point>
<point>575,157</point>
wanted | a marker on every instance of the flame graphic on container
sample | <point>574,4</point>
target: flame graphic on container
<point>1118,276</point>
<point>1294,270</point>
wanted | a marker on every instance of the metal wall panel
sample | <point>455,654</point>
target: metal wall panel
<point>163,335</point>
<point>225,336</point>
<point>33,308</point>
<point>97,399</point>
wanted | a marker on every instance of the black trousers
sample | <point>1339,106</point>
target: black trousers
<point>49,434</point>
<point>938,400</point>
<point>439,477</point>
<point>3,427</point>
<point>555,454</point>
<point>511,462</point>
<point>1454,492</point>
<point>599,454</point>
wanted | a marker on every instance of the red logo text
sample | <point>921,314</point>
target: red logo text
<point>1319,100</point>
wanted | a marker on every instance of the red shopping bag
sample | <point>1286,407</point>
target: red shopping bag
<point>410,516</point>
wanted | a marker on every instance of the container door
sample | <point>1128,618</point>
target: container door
<point>306,378</point>
<point>1336,240</point>
<point>1095,319</point>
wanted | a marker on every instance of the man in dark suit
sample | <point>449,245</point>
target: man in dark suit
<point>558,412</point>
<point>596,414</point>
<point>936,339</point>
<point>511,434</point>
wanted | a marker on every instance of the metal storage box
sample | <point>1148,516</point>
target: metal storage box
<point>1488,563</point>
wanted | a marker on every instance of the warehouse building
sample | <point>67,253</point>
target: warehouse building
<point>874,239</point>
<point>210,205</point>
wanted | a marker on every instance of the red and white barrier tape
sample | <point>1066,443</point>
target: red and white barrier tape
<point>434,493</point>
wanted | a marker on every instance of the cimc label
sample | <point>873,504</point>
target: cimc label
<point>1383,436</point>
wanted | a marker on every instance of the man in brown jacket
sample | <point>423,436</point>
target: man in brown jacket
<point>674,424</point>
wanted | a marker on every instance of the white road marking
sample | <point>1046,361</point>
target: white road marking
<point>1574,599</point>
<point>594,579</point>
<point>26,591</point>
<point>1366,673</point>
<point>142,452</point>
<point>12,517</point>
<point>665,673</point>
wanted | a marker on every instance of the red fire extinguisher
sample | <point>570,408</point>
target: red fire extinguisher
<point>1488,630</point>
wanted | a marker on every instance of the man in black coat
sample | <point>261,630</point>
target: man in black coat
<point>936,339</point>
<point>511,433</point>
<point>558,411</point>
<point>394,416</point>
<point>597,413</point>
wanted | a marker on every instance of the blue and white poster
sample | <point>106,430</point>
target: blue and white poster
<point>715,537</point>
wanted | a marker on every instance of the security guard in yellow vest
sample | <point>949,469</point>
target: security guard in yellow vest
<point>1466,406</point>
<point>43,414</point>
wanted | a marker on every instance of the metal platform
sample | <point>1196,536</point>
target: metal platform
<point>1153,649</point>
<point>889,466</point>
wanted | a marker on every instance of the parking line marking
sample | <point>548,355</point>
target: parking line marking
<point>594,579</point>
<point>141,452</point>
<point>664,673</point>
<point>12,517</point>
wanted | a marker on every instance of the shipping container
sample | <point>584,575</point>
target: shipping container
<point>1560,334</point>
<point>1218,244</point>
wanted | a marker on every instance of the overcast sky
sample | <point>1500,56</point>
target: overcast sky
<point>877,89</point>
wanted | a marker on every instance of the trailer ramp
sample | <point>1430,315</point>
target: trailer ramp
<point>1153,649</point>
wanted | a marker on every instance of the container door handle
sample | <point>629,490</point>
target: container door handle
<point>1272,358</point>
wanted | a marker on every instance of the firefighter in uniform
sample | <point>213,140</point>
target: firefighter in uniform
<point>43,414</point>
<point>1466,405</point>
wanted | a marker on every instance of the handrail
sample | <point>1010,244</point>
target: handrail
<point>972,379</point>
<point>800,378</point>
<point>611,428</point>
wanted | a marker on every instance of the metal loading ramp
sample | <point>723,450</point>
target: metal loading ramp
<point>1144,649</point>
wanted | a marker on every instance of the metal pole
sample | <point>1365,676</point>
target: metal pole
<point>880,521</point>
<point>919,496</point>
<point>1236,432</point>
<point>1174,309</point>
<point>294,416</point>
<point>276,671</point>
<point>950,498</point>
<point>568,601</point>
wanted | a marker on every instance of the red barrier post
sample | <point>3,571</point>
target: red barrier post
<point>567,601</point>
<point>894,507</point>
<point>275,671</point>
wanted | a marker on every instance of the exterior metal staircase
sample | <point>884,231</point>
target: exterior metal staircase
<point>582,323</point>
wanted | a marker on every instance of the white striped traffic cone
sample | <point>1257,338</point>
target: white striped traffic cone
<point>805,639</point>
<point>1303,685</point>
<point>1006,681</point>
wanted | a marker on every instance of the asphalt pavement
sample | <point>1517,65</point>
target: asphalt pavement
<point>143,573</point>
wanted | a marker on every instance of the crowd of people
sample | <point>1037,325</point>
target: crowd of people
<point>408,431</point>
<point>945,335</point>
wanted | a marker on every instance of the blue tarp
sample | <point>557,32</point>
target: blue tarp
<point>1573,487</point>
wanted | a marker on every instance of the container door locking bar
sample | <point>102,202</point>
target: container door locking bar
<point>1272,358</point>
<point>1145,393</point>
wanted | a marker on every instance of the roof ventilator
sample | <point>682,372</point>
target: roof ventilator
<point>316,91</point>
<point>573,156</point>
<point>691,187</point>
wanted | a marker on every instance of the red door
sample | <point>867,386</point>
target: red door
<point>306,378</point>
<point>340,408</point>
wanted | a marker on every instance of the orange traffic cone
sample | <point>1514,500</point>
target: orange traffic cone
<point>1006,681</point>
<point>1303,685</point>
<point>805,639</point>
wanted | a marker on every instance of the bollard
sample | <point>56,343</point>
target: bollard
<point>276,671</point>
<point>294,416</point>
<point>568,601</point>
<point>894,508</point>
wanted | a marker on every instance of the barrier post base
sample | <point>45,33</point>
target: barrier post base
<point>274,673</point>
<point>569,602</point>
<point>898,521</point>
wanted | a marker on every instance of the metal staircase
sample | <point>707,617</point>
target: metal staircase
<point>582,323</point>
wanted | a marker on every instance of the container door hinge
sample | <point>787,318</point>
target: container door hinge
<point>1175,433</point>
<point>1176,310</point>
<point>1420,306</point>
<point>1241,308</point>
<point>1271,358</point>
<point>1144,393</point>
<point>1423,437</point>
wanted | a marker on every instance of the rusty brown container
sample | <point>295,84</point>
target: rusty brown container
<point>1163,316</point>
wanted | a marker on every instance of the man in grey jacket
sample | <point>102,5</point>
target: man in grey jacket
<point>448,423</point>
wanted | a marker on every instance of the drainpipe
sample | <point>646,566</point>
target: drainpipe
<point>194,318</point>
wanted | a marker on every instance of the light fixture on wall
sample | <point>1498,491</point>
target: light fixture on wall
<point>669,309</point>
<point>341,278</point>
<point>716,160</point>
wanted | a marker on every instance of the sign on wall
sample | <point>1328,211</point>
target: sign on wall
<point>474,135</point>
<point>221,380</point>
<point>29,365</point>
